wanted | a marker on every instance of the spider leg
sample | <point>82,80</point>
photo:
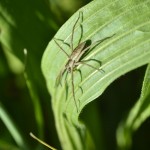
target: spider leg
<point>63,42</point>
<point>82,62</point>
<point>72,35</point>
<point>61,48</point>
<point>94,44</point>
<point>59,77</point>
<point>73,93</point>
<point>99,62</point>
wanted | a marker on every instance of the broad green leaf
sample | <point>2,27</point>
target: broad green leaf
<point>138,114</point>
<point>127,23</point>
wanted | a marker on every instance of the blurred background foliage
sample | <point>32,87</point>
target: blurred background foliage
<point>24,97</point>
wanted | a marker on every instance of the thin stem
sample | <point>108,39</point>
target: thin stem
<point>42,142</point>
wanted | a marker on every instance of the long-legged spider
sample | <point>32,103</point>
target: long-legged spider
<point>75,59</point>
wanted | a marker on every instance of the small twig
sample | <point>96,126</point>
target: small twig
<point>42,142</point>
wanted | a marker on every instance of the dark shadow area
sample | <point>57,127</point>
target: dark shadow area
<point>113,105</point>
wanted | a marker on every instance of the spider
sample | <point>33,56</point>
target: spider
<point>75,58</point>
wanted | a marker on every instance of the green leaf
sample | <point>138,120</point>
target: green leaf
<point>6,145</point>
<point>138,114</point>
<point>27,24</point>
<point>13,129</point>
<point>129,22</point>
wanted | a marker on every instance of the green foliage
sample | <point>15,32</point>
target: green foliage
<point>138,114</point>
<point>30,25</point>
<point>126,50</point>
